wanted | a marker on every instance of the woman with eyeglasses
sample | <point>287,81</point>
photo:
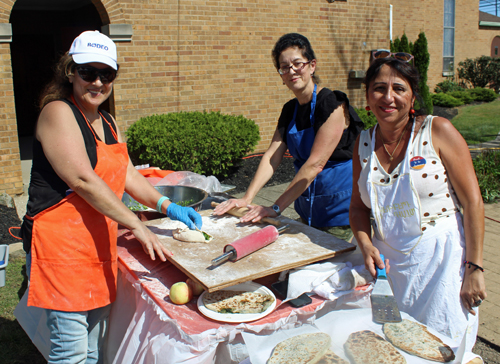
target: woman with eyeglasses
<point>319,128</point>
<point>80,170</point>
<point>412,177</point>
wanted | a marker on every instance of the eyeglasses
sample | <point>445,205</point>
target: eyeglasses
<point>383,53</point>
<point>296,66</point>
<point>89,74</point>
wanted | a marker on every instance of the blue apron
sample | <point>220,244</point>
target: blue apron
<point>326,201</point>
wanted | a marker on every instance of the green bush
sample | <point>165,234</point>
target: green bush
<point>482,94</point>
<point>368,119</point>
<point>487,167</point>
<point>206,143</point>
<point>463,96</point>
<point>480,72</point>
<point>448,86</point>
<point>445,100</point>
<point>422,60</point>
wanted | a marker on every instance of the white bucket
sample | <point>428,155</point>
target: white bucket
<point>4,260</point>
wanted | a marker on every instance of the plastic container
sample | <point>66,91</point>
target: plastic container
<point>4,260</point>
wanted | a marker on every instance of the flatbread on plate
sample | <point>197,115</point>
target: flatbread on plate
<point>301,349</point>
<point>363,347</point>
<point>237,301</point>
<point>415,339</point>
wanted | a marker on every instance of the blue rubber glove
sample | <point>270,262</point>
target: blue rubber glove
<point>187,215</point>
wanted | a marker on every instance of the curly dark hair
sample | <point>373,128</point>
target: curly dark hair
<point>403,69</point>
<point>294,40</point>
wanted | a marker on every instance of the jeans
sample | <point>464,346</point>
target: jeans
<point>76,337</point>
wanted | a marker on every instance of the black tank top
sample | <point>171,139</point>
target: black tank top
<point>46,187</point>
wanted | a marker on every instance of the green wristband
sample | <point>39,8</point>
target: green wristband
<point>160,202</point>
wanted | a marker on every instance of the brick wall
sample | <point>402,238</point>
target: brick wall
<point>215,55</point>
<point>412,17</point>
<point>10,158</point>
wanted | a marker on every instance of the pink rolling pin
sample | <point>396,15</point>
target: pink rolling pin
<point>249,244</point>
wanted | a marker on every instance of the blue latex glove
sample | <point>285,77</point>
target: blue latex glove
<point>187,215</point>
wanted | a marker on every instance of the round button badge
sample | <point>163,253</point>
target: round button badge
<point>417,163</point>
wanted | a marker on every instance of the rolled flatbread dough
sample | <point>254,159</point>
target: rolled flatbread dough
<point>190,236</point>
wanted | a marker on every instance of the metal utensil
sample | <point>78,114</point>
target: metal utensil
<point>384,305</point>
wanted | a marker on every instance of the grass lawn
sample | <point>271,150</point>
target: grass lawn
<point>478,123</point>
<point>15,345</point>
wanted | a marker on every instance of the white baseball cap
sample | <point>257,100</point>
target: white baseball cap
<point>92,46</point>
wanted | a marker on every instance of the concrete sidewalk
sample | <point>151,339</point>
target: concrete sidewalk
<point>489,313</point>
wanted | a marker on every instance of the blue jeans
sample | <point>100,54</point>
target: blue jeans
<point>76,337</point>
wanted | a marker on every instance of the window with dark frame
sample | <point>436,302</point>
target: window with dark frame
<point>448,37</point>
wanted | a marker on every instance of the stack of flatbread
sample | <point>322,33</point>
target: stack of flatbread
<point>237,301</point>
<point>305,349</point>
<point>415,339</point>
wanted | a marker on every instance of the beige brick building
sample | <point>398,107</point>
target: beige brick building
<point>474,31</point>
<point>210,55</point>
<point>183,55</point>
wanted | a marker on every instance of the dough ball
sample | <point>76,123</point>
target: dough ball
<point>190,236</point>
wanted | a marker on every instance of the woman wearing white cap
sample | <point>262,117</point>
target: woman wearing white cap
<point>80,170</point>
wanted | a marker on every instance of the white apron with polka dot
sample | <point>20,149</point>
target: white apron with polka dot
<point>395,205</point>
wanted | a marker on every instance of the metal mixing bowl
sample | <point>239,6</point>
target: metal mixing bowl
<point>181,195</point>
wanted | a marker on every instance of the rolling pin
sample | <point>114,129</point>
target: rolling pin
<point>239,212</point>
<point>249,244</point>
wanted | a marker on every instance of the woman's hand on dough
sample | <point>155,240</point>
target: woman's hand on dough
<point>473,288</point>
<point>256,213</point>
<point>187,215</point>
<point>225,206</point>
<point>151,243</point>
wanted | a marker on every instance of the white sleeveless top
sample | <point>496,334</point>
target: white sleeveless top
<point>437,197</point>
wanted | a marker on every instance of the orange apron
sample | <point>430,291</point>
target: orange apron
<point>73,247</point>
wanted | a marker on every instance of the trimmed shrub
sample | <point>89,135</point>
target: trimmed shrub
<point>206,143</point>
<point>448,86</point>
<point>422,59</point>
<point>395,46</point>
<point>445,100</point>
<point>480,72</point>
<point>368,120</point>
<point>487,167</point>
<point>404,45</point>
<point>463,96</point>
<point>482,94</point>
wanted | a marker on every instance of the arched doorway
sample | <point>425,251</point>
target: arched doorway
<point>42,30</point>
<point>495,47</point>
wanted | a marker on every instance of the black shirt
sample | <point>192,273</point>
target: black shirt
<point>327,102</point>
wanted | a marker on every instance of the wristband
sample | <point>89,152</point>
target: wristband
<point>160,202</point>
<point>475,265</point>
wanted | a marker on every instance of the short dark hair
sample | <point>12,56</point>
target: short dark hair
<point>403,69</point>
<point>293,40</point>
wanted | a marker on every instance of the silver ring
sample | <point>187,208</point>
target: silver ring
<point>478,302</point>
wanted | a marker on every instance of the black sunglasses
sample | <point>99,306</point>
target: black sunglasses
<point>89,74</point>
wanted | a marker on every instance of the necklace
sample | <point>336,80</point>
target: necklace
<point>397,145</point>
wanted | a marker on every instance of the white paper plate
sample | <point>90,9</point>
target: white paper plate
<point>238,317</point>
